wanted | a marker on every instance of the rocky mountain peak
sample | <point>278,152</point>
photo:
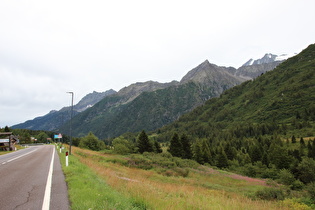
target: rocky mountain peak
<point>267,58</point>
<point>134,90</point>
<point>92,98</point>
<point>208,74</point>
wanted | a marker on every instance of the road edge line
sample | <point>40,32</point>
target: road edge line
<point>46,202</point>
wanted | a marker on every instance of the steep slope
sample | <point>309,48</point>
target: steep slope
<point>267,58</point>
<point>209,81</point>
<point>210,75</point>
<point>92,98</point>
<point>54,119</point>
<point>48,122</point>
<point>255,70</point>
<point>102,116</point>
<point>281,100</point>
<point>129,111</point>
<point>134,90</point>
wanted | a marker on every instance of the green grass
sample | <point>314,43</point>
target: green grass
<point>4,152</point>
<point>88,191</point>
<point>94,183</point>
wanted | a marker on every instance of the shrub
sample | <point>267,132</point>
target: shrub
<point>286,177</point>
<point>307,170</point>
<point>186,163</point>
<point>311,190</point>
<point>184,172</point>
<point>91,142</point>
<point>140,161</point>
<point>122,146</point>
<point>270,173</point>
<point>250,170</point>
<point>166,155</point>
<point>166,163</point>
<point>270,194</point>
<point>297,185</point>
<point>121,149</point>
<point>295,204</point>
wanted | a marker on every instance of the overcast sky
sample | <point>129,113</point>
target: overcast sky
<point>50,47</point>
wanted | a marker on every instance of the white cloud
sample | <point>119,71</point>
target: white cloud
<point>49,48</point>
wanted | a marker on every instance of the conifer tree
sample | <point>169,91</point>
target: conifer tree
<point>143,143</point>
<point>265,159</point>
<point>186,147</point>
<point>176,147</point>
<point>158,148</point>
<point>279,157</point>
<point>221,159</point>
<point>293,139</point>
<point>206,154</point>
<point>229,151</point>
<point>255,153</point>
<point>302,142</point>
<point>197,152</point>
<point>7,129</point>
<point>311,149</point>
<point>307,170</point>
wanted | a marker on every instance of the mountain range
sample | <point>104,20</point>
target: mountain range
<point>148,105</point>
<point>54,119</point>
<point>279,102</point>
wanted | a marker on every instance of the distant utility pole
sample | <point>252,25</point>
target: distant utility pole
<point>71,121</point>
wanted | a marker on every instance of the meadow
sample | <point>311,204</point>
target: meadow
<point>100,180</point>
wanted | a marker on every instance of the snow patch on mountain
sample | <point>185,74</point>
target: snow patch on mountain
<point>284,57</point>
<point>268,58</point>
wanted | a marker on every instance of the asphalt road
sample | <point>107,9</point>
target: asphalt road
<point>24,175</point>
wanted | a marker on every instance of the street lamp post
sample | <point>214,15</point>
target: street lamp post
<point>71,121</point>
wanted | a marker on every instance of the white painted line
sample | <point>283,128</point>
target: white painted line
<point>46,201</point>
<point>19,157</point>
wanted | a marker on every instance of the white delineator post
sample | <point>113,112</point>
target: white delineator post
<point>67,162</point>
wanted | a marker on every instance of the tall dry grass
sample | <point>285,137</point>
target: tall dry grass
<point>155,191</point>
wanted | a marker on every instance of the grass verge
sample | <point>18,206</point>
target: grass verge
<point>103,181</point>
<point>88,191</point>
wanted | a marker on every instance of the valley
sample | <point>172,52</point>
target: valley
<point>251,145</point>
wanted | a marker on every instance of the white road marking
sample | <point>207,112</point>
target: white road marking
<point>46,201</point>
<point>18,157</point>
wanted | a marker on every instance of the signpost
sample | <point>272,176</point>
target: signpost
<point>8,140</point>
<point>4,140</point>
<point>59,136</point>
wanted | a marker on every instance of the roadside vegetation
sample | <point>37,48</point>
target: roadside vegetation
<point>253,147</point>
<point>101,180</point>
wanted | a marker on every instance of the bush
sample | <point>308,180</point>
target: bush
<point>140,161</point>
<point>297,185</point>
<point>184,172</point>
<point>311,190</point>
<point>122,146</point>
<point>270,194</point>
<point>270,173</point>
<point>286,177</point>
<point>250,170</point>
<point>121,149</point>
<point>307,170</point>
<point>185,163</point>
<point>166,155</point>
<point>91,142</point>
<point>294,204</point>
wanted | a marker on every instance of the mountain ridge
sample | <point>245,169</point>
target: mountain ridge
<point>280,101</point>
<point>54,119</point>
<point>209,81</point>
<point>154,105</point>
